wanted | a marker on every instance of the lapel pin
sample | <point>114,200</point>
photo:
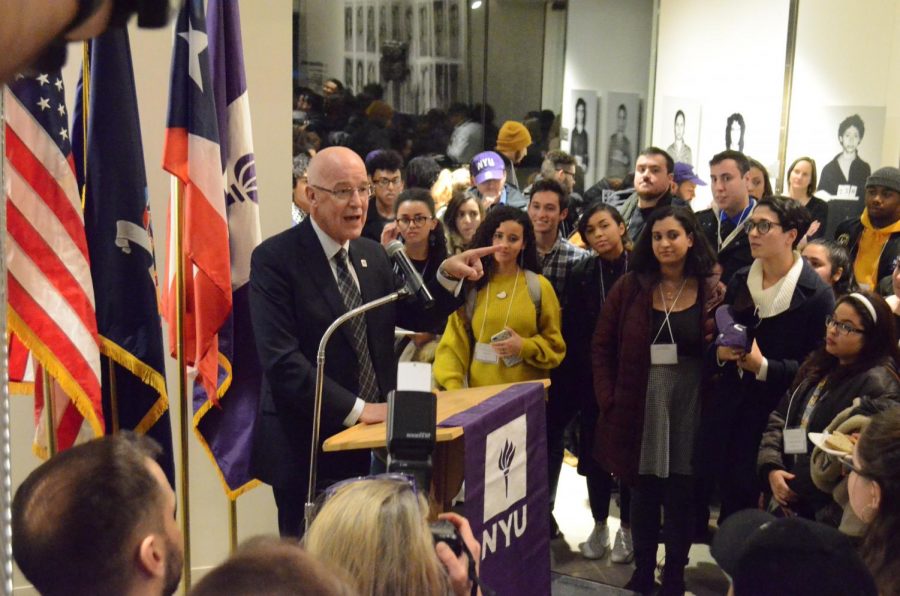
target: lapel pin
<point>363,262</point>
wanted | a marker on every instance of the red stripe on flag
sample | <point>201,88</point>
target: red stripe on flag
<point>18,359</point>
<point>45,328</point>
<point>35,174</point>
<point>175,153</point>
<point>31,243</point>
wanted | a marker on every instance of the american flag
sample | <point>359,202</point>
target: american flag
<point>51,298</point>
<point>191,153</point>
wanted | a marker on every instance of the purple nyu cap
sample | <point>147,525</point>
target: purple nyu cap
<point>684,172</point>
<point>487,165</point>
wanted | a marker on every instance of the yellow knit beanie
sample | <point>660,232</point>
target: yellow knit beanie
<point>512,137</point>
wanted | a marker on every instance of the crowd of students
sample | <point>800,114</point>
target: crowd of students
<point>692,352</point>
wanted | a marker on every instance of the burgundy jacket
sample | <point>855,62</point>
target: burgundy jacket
<point>621,365</point>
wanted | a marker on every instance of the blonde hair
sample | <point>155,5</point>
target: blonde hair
<point>449,181</point>
<point>376,530</point>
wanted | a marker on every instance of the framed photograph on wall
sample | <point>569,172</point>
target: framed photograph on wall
<point>360,30</point>
<point>621,135</point>
<point>677,129</point>
<point>581,118</point>
<point>348,28</point>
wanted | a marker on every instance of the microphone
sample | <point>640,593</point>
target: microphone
<point>411,278</point>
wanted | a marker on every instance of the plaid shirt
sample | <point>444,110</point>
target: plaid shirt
<point>558,262</point>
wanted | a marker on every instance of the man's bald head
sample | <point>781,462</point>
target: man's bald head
<point>331,171</point>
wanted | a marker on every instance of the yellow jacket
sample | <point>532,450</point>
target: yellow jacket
<point>542,349</point>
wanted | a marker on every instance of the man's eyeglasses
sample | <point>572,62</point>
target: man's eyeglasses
<point>386,182</point>
<point>762,226</point>
<point>345,193</point>
<point>418,221</point>
<point>843,328</point>
<point>566,172</point>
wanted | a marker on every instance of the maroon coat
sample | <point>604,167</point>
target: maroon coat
<point>621,365</point>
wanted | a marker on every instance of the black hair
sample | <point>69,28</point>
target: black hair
<point>384,159</point>
<point>741,160</point>
<point>101,491</point>
<point>677,114</point>
<point>736,117</point>
<point>437,241</point>
<point>622,108</point>
<point>597,207</point>
<point>700,258</point>
<point>580,102</point>
<point>791,215</point>
<point>459,109</point>
<point>849,121</point>
<point>767,188</point>
<point>839,257</point>
<point>813,179</point>
<point>422,172</point>
<point>878,451</point>
<point>484,236</point>
<point>879,344</point>
<point>651,151</point>
<point>337,83</point>
<point>550,185</point>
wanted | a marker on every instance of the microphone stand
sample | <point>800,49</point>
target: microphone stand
<point>320,385</point>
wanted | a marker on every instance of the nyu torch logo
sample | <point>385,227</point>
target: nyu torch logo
<point>507,454</point>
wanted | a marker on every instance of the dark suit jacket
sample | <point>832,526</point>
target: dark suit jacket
<point>293,299</point>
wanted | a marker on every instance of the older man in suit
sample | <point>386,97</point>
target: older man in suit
<point>301,280</point>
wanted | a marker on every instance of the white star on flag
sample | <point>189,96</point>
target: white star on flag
<point>43,79</point>
<point>59,84</point>
<point>197,42</point>
<point>61,109</point>
<point>64,134</point>
<point>44,103</point>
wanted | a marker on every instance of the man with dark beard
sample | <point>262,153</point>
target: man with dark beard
<point>99,518</point>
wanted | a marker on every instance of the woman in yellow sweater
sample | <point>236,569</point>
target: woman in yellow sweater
<point>509,328</point>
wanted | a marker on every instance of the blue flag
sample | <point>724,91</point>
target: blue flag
<point>120,243</point>
<point>226,429</point>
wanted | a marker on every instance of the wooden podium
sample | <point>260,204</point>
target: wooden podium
<point>448,459</point>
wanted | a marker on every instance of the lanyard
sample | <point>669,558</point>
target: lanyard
<point>487,300</point>
<point>667,311</point>
<point>737,230</point>
<point>602,283</point>
<point>811,404</point>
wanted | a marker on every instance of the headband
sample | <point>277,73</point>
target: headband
<point>865,302</point>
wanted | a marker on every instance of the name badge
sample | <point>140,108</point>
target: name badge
<point>794,441</point>
<point>485,353</point>
<point>663,354</point>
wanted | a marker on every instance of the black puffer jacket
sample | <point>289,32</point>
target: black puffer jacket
<point>878,384</point>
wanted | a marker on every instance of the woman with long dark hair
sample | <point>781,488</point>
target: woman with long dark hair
<point>760,186</point>
<point>463,216</point>
<point>858,359</point>
<point>603,230</point>
<point>831,261</point>
<point>874,487</point>
<point>647,356</point>
<point>509,328</point>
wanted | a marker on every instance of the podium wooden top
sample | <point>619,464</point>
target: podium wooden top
<point>449,403</point>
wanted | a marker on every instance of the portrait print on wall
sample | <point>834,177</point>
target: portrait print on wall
<point>453,39</point>
<point>621,129</point>
<point>581,117</point>
<point>348,28</point>
<point>735,130</point>
<point>424,47</point>
<point>348,72</point>
<point>677,129</point>
<point>382,24</point>
<point>360,80</point>
<point>440,28</point>
<point>845,141</point>
<point>370,29</point>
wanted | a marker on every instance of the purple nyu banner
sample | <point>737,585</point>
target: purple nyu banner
<point>506,488</point>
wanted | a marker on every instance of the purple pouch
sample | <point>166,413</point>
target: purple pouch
<point>731,334</point>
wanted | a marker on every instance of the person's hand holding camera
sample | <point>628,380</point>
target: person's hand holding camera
<point>458,567</point>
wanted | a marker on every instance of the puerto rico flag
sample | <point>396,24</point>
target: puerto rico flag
<point>191,154</point>
<point>226,431</point>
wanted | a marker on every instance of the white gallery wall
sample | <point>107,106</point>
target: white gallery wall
<point>266,30</point>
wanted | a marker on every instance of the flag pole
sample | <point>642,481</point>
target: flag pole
<point>182,380</point>
<point>6,569</point>
<point>232,524</point>
<point>48,411</point>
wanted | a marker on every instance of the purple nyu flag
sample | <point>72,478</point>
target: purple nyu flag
<point>506,488</point>
<point>226,430</point>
